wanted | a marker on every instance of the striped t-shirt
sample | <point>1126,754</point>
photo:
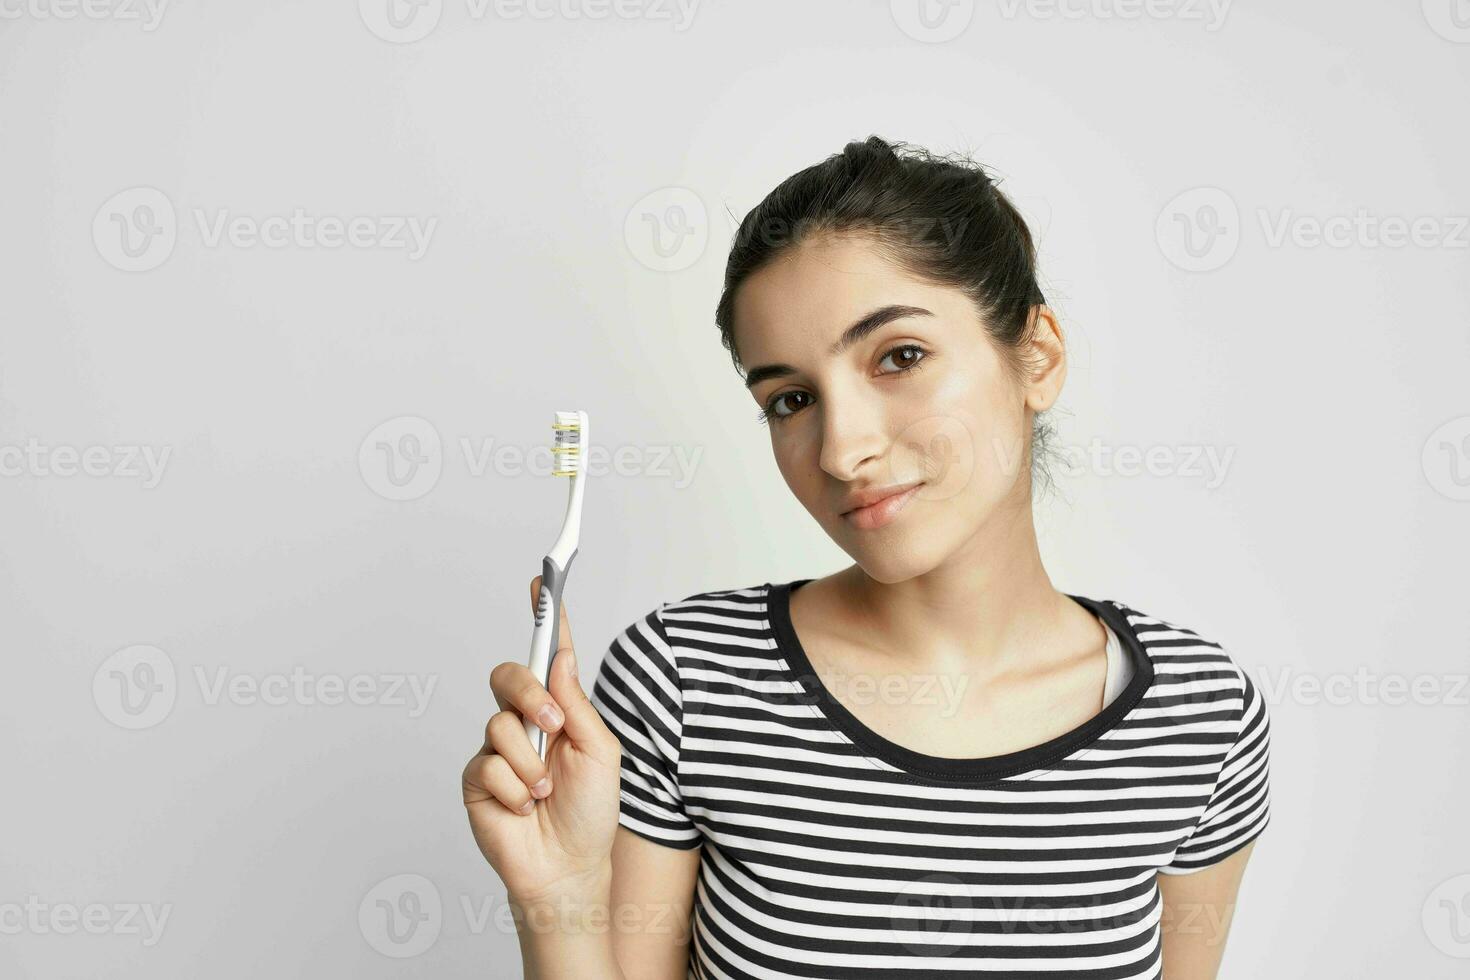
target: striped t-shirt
<point>828,850</point>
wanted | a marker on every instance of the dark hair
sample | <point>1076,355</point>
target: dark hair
<point>940,217</point>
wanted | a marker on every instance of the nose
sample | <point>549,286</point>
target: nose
<point>853,435</point>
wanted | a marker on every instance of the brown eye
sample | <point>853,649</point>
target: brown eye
<point>914,352</point>
<point>771,408</point>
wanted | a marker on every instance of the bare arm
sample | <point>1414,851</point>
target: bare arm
<point>630,921</point>
<point>566,934</point>
<point>653,891</point>
<point>1198,908</point>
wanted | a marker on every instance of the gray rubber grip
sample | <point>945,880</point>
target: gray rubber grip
<point>552,581</point>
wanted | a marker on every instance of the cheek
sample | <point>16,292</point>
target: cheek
<point>961,438</point>
<point>793,460</point>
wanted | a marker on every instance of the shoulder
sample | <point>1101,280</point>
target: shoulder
<point>715,619</point>
<point>699,623</point>
<point>1193,669</point>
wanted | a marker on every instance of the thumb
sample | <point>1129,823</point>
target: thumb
<point>583,724</point>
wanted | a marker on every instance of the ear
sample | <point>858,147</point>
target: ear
<point>1047,356</point>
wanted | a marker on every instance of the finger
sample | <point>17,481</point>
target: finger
<point>583,725</point>
<point>489,776</point>
<point>505,736</point>
<point>516,688</point>
<point>563,630</point>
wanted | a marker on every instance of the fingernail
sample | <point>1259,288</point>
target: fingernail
<point>542,788</point>
<point>530,805</point>
<point>549,716</point>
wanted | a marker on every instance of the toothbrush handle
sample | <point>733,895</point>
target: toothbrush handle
<point>545,636</point>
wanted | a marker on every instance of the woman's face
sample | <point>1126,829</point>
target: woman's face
<point>924,398</point>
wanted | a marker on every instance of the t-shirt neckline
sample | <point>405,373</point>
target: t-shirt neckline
<point>778,611</point>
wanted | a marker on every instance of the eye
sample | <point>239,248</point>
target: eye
<point>772,406</point>
<point>913,360</point>
<point>916,354</point>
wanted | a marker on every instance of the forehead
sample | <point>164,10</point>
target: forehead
<point>805,298</point>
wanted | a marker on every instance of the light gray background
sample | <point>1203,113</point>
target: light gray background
<point>1333,378</point>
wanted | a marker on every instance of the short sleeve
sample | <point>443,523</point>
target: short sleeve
<point>1240,806</point>
<point>639,696</point>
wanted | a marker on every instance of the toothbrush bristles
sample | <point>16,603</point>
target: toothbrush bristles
<point>566,453</point>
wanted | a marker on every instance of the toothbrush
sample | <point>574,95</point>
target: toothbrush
<point>569,458</point>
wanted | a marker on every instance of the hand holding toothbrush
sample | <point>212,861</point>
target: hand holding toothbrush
<point>547,827</point>
<point>547,742</point>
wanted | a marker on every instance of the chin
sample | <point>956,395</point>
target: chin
<point>897,553</point>
<point>889,573</point>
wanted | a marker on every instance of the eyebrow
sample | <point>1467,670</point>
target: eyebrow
<point>850,336</point>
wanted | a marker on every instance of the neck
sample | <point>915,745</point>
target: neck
<point>987,609</point>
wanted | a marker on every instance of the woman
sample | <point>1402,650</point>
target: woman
<point>933,762</point>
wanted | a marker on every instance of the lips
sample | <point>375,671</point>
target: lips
<point>872,495</point>
<point>880,505</point>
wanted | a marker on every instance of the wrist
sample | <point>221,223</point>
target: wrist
<point>565,929</point>
<point>577,895</point>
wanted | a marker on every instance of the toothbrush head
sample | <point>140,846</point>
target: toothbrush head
<point>567,452</point>
<point>569,458</point>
